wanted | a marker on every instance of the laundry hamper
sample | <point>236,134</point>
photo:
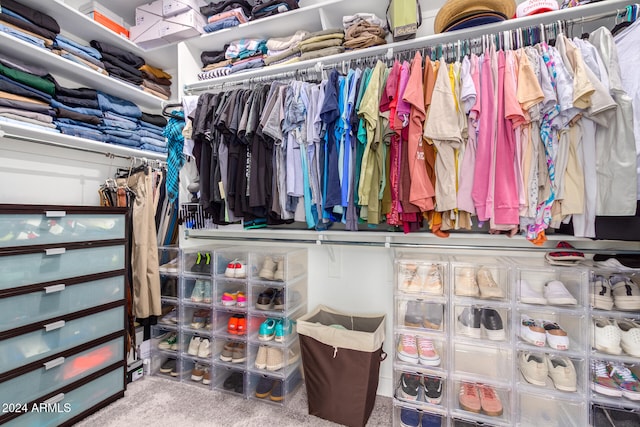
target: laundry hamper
<point>341,355</point>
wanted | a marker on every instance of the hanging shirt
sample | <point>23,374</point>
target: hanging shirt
<point>470,96</point>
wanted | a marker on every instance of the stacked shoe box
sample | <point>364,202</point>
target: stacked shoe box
<point>480,381</point>
<point>550,323</point>
<point>258,297</point>
<point>614,340</point>
<point>421,326</point>
<point>165,334</point>
<point>196,316</point>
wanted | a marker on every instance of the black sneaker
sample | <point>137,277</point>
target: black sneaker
<point>492,324</point>
<point>469,322</point>
<point>263,389</point>
<point>409,387</point>
<point>432,387</point>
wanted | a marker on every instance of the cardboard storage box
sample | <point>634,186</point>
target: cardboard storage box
<point>153,31</point>
<point>176,7</point>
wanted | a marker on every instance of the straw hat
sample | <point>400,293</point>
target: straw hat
<point>455,10</point>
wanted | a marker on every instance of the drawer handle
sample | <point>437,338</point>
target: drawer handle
<point>55,214</point>
<point>55,251</point>
<point>53,363</point>
<point>53,326</point>
<point>54,288</point>
<point>55,399</point>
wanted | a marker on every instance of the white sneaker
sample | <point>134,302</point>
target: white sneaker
<point>606,336</point>
<point>528,295</point>
<point>601,296</point>
<point>556,336</point>
<point>430,278</point>
<point>533,368</point>
<point>557,294</point>
<point>466,285</point>
<point>626,294</point>
<point>205,348</point>
<point>630,337</point>
<point>532,332</point>
<point>194,345</point>
<point>562,373</point>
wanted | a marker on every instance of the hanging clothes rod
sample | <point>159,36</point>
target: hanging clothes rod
<point>541,23</point>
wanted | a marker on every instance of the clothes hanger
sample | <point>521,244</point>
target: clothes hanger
<point>169,114</point>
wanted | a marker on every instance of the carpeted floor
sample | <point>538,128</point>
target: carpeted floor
<point>157,402</point>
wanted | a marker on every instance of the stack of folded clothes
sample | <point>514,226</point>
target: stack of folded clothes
<point>284,50</point>
<point>150,131</point>
<point>119,120</point>
<point>25,94</point>
<point>78,113</point>
<point>227,19</point>
<point>321,43</point>
<point>27,24</point>
<point>246,54</point>
<point>264,8</point>
<point>86,56</point>
<point>156,82</point>
<point>214,64</point>
<point>120,64</point>
<point>363,30</point>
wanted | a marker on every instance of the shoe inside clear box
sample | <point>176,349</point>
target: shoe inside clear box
<point>277,265</point>
<point>494,404</point>
<point>541,410</point>
<point>533,286</point>
<point>568,321</point>
<point>481,278</point>
<point>421,275</point>
<point>422,314</point>
<point>485,322</point>
<point>430,351</point>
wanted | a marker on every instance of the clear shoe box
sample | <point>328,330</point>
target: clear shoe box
<point>170,314</point>
<point>605,415</point>
<point>169,260</point>
<point>273,298</point>
<point>568,320</point>
<point>485,278</point>
<point>230,380</point>
<point>605,302</point>
<point>159,362</point>
<point>230,358</point>
<point>274,359</point>
<point>197,291</point>
<point>230,287</point>
<point>198,261</point>
<point>196,378</point>
<point>436,362</point>
<point>228,321</point>
<point>232,263</point>
<point>278,265</point>
<point>537,284</point>
<point>420,314</point>
<point>169,288</point>
<point>482,363</point>
<point>197,351</point>
<point>605,343</point>
<point>256,319</point>
<point>613,396</point>
<point>431,388</point>
<point>529,379</point>
<point>484,409</point>
<point>535,410</point>
<point>421,277</point>
<point>483,322</point>
<point>159,335</point>
<point>196,319</point>
<point>272,389</point>
<point>404,414</point>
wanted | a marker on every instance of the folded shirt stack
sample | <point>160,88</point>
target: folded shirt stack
<point>214,64</point>
<point>120,63</point>
<point>86,56</point>
<point>227,19</point>
<point>363,30</point>
<point>284,50</point>
<point>219,7</point>
<point>155,81</point>
<point>264,8</point>
<point>27,24</point>
<point>78,113</point>
<point>150,128</point>
<point>25,95</point>
<point>321,43</point>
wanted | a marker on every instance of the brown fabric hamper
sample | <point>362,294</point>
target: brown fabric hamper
<point>341,366</point>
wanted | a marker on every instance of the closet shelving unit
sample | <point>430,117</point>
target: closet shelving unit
<point>213,270</point>
<point>83,29</point>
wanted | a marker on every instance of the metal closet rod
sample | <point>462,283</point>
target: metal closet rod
<point>73,147</point>
<point>321,241</point>
<point>402,48</point>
